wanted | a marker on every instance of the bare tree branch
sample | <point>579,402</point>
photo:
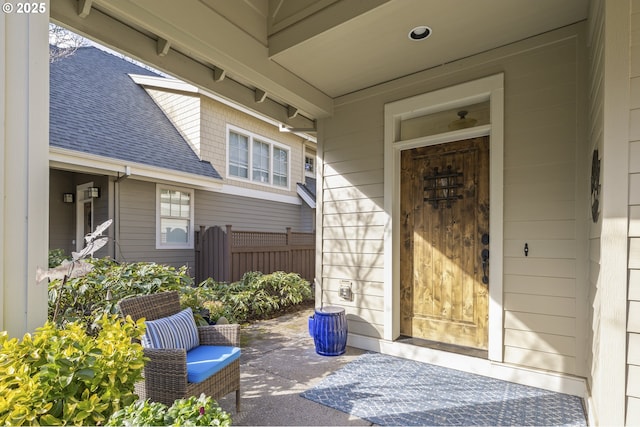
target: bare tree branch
<point>63,43</point>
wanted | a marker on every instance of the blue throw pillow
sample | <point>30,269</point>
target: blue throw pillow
<point>176,331</point>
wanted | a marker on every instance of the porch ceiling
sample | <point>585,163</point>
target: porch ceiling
<point>304,53</point>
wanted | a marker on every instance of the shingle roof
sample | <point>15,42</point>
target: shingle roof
<point>309,187</point>
<point>96,108</point>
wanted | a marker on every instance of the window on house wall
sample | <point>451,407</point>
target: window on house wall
<point>238,155</point>
<point>261,162</point>
<point>174,218</point>
<point>309,165</point>
<point>280,167</point>
<point>269,159</point>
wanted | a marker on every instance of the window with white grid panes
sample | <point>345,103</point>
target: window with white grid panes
<point>238,155</point>
<point>280,167</point>
<point>261,161</point>
<point>257,159</point>
<point>174,218</point>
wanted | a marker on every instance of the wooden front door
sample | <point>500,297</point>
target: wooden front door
<point>444,243</point>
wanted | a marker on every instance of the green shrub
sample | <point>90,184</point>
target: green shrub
<point>64,376</point>
<point>288,288</point>
<point>200,411</point>
<point>56,256</point>
<point>98,292</point>
<point>197,297</point>
<point>194,411</point>
<point>215,310</point>
<point>257,295</point>
<point>140,413</point>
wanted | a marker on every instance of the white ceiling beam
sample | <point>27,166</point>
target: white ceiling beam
<point>260,95</point>
<point>218,74</point>
<point>210,38</point>
<point>120,37</point>
<point>163,46</point>
<point>84,8</point>
<point>284,128</point>
<point>292,112</point>
<point>317,23</point>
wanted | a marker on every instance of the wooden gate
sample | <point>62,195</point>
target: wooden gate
<point>225,255</point>
<point>212,255</point>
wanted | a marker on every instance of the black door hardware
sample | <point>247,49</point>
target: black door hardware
<point>485,266</point>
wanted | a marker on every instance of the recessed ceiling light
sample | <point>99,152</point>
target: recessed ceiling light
<point>420,33</point>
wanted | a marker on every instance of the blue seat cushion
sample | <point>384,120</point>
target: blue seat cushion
<point>205,360</point>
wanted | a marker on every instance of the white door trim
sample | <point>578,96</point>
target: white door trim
<point>81,199</point>
<point>486,89</point>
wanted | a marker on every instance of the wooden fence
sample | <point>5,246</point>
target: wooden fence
<point>225,255</point>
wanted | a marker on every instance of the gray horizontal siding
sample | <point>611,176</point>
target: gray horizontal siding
<point>137,228</point>
<point>62,226</point>
<point>245,213</point>
<point>136,217</point>
<point>540,204</point>
<point>62,216</point>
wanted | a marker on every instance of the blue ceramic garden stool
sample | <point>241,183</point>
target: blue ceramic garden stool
<point>328,327</point>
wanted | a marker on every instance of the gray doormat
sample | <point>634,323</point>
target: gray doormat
<point>388,390</point>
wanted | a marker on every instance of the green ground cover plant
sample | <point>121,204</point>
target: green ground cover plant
<point>194,411</point>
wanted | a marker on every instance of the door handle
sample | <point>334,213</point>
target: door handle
<point>485,266</point>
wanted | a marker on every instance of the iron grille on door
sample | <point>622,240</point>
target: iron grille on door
<point>443,186</point>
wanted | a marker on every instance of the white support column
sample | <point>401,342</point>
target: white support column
<point>24,166</point>
<point>611,378</point>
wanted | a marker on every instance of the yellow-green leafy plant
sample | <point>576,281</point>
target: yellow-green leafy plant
<point>62,376</point>
<point>216,309</point>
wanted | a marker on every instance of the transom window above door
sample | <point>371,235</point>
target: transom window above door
<point>254,158</point>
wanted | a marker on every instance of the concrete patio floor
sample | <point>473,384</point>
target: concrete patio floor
<point>278,363</point>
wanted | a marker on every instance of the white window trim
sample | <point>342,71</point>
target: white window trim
<point>189,244</point>
<point>251,136</point>
<point>80,201</point>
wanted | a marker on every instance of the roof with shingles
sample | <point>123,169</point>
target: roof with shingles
<point>309,187</point>
<point>96,108</point>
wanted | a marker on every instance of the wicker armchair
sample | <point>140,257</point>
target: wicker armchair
<point>165,374</point>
